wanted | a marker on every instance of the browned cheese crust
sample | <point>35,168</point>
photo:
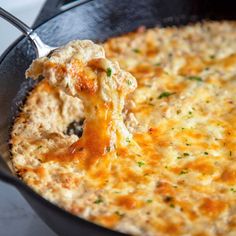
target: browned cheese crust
<point>176,175</point>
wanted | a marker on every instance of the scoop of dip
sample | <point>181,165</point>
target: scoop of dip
<point>81,69</point>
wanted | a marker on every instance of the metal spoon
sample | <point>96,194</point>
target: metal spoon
<point>42,49</point>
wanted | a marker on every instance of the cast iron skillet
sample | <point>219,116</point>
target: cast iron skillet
<point>96,20</point>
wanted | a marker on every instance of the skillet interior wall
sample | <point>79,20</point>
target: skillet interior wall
<point>96,20</point>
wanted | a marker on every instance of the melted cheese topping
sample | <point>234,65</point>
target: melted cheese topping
<point>176,175</point>
<point>81,69</point>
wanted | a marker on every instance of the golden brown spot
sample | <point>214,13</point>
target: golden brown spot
<point>130,175</point>
<point>187,208</point>
<point>75,209</point>
<point>228,176</point>
<point>127,202</point>
<point>165,188</point>
<point>193,65</point>
<point>106,220</point>
<point>228,61</point>
<point>202,166</point>
<point>85,77</point>
<point>212,207</point>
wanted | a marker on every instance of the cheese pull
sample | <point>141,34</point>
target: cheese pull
<point>81,69</point>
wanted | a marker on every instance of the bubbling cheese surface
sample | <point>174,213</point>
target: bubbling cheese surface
<point>172,171</point>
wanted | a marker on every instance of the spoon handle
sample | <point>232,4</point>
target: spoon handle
<point>41,48</point>
<point>25,29</point>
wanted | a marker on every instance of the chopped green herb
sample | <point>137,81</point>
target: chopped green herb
<point>196,78</point>
<point>136,50</point>
<point>172,205</point>
<point>206,153</point>
<point>151,104</point>
<point>129,82</point>
<point>116,191</point>
<point>108,149</point>
<point>149,201</point>
<point>178,111</point>
<point>230,153</point>
<point>109,71</point>
<point>186,154</point>
<point>99,200</point>
<point>188,144</point>
<point>212,56</point>
<point>165,94</point>
<point>39,147</point>
<point>140,163</point>
<point>183,172</point>
<point>127,140</point>
<point>179,157</point>
<point>233,190</point>
<point>157,64</point>
<point>190,113</point>
<point>119,214</point>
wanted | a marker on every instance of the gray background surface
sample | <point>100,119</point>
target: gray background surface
<point>17,217</point>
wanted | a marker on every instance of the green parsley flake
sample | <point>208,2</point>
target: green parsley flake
<point>98,201</point>
<point>212,56</point>
<point>129,82</point>
<point>127,140</point>
<point>140,163</point>
<point>186,154</point>
<point>149,201</point>
<point>108,149</point>
<point>136,50</point>
<point>233,190</point>
<point>109,72</point>
<point>196,78</point>
<point>206,153</point>
<point>117,192</point>
<point>183,172</point>
<point>165,94</point>
<point>119,214</point>
<point>172,205</point>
